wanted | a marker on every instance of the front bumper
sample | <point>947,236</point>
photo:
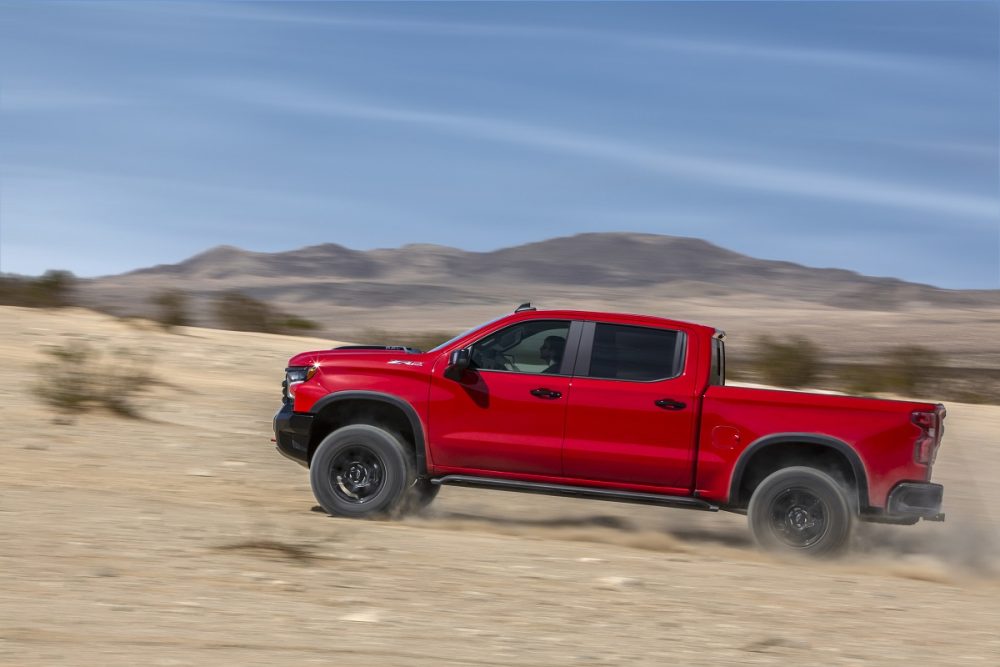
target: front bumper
<point>292,432</point>
<point>915,500</point>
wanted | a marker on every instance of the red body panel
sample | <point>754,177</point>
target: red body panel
<point>490,421</point>
<point>609,433</point>
<point>879,431</point>
<point>616,433</point>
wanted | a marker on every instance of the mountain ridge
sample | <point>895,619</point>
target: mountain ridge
<point>572,271</point>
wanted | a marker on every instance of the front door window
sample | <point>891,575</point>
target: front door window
<point>537,346</point>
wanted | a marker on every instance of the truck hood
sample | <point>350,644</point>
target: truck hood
<point>357,353</point>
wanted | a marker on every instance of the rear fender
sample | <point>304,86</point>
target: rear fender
<point>841,447</point>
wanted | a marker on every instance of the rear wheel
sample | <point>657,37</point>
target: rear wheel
<point>360,471</point>
<point>801,510</point>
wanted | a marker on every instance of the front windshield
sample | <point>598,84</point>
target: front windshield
<point>465,333</point>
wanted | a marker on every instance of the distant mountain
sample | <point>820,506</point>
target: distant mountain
<point>432,291</point>
<point>329,282</point>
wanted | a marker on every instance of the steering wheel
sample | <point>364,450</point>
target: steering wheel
<point>508,361</point>
<point>493,359</point>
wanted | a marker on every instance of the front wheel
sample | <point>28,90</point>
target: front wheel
<point>360,471</point>
<point>801,510</point>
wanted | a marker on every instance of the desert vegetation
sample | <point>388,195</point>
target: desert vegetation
<point>54,289</point>
<point>237,311</point>
<point>906,370</point>
<point>172,309</point>
<point>82,376</point>
<point>793,362</point>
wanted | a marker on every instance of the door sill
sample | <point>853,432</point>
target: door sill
<point>597,493</point>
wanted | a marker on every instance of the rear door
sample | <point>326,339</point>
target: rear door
<point>631,414</point>
<point>508,412</point>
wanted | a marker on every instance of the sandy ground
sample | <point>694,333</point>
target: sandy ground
<point>184,539</point>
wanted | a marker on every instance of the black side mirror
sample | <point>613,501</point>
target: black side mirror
<point>458,363</point>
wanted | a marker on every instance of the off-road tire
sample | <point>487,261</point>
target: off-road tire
<point>801,510</point>
<point>361,471</point>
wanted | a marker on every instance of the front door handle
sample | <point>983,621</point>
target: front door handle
<point>542,392</point>
<point>670,404</point>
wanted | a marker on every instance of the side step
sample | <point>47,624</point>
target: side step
<point>549,489</point>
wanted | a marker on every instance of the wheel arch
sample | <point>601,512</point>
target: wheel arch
<point>777,444</point>
<point>357,406</point>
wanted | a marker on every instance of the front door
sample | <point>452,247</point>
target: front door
<point>631,415</point>
<point>508,412</point>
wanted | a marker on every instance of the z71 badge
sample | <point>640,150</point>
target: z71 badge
<point>400,362</point>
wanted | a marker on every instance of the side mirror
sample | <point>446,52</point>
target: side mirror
<point>458,363</point>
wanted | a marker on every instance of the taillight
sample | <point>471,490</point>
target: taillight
<point>931,425</point>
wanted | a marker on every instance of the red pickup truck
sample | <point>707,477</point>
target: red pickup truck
<point>600,405</point>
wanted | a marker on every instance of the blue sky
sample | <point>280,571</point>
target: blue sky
<point>854,135</point>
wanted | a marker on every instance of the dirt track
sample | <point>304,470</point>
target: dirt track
<point>184,539</point>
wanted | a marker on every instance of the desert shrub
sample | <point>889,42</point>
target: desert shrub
<point>172,309</point>
<point>739,368</point>
<point>293,324</point>
<point>793,362</point>
<point>861,379</point>
<point>240,312</point>
<point>910,369</point>
<point>905,369</point>
<point>82,377</point>
<point>52,290</point>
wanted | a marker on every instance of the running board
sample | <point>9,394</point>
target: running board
<point>597,493</point>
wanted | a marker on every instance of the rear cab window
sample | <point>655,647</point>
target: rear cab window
<point>635,353</point>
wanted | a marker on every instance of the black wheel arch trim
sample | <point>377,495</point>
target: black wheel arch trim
<point>841,447</point>
<point>420,442</point>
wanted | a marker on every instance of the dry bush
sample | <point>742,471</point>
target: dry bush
<point>793,362</point>
<point>861,379</point>
<point>240,312</point>
<point>82,377</point>
<point>910,370</point>
<point>52,290</point>
<point>172,309</point>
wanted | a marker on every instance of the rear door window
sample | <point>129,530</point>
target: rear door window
<point>641,354</point>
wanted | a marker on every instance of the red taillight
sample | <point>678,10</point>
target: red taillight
<point>931,425</point>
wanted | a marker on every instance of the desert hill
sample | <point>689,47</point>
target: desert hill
<point>608,262</point>
<point>435,288</point>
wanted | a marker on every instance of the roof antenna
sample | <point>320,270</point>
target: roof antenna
<point>524,306</point>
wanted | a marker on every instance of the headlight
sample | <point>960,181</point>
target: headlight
<point>294,376</point>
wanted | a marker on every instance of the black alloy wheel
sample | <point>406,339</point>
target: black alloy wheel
<point>798,517</point>
<point>361,471</point>
<point>802,510</point>
<point>358,473</point>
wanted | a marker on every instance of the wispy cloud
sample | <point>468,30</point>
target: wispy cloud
<point>788,180</point>
<point>719,47</point>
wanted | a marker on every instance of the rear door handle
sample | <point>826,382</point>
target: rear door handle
<point>670,404</point>
<point>542,392</point>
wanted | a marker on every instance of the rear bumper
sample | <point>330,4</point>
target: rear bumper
<point>915,500</point>
<point>292,431</point>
